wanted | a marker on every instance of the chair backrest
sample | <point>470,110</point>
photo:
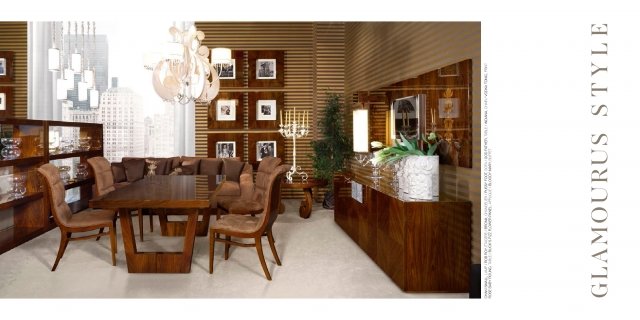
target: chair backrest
<point>271,198</point>
<point>266,167</point>
<point>103,175</point>
<point>55,189</point>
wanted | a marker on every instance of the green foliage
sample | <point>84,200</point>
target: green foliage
<point>333,150</point>
<point>408,147</point>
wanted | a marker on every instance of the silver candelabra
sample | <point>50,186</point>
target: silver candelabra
<point>295,125</point>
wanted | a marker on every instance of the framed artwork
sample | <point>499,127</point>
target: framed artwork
<point>233,76</point>
<point>225,145</point>
<point>264,144</point>
<point>266,149</point>
<point>6,102</point>
<point>266,68</point>
<point>265,109</point>
<point>226,111</point>
<point>225,149</point>
<point>407,116</point>
<point>228,71</point>
<point>6,66</point>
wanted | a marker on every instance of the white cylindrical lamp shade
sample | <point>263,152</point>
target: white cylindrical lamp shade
<point>54,59</point>
<point>361,130</point>
<point>61,89</point>
<point>82,91</point>
<point>88,77</point>
<point>94,97</point>
<point>220,56</point>
<point>76,62</point>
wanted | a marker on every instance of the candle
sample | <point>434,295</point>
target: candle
<point>287,122</point>
<point>307,114</point>
<point>294,114</point>
<point>281,117</point>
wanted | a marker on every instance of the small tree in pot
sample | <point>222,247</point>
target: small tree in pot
<point>334,148</point>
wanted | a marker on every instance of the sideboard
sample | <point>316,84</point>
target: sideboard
<point>423,246</point>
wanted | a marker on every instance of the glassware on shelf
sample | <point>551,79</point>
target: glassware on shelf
<point>64,174</point>
<point>18,185</point>
<point>11,148</point>
<point>85,143</point>
<point>66,145</point>
<point>81,171</point>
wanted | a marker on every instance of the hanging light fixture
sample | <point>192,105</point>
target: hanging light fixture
<point>184,73</point>
<point>68,71</point>
<point>94,94</point>
<point>54,53</point>
<point>83,86</point>
<point>76,57</point>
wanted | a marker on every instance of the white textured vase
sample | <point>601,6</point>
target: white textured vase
<point>418,175</point>
<point>434,162</point>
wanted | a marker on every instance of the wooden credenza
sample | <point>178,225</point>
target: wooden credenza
<point>422,246</point>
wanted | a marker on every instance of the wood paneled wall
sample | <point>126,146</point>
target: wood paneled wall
<point>314,63</point>
<point>13,37</point>
<point>381,53</point>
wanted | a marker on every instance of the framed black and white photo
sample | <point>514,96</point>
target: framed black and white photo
<point>407,117</point>
<point>3,101</point>
<point>265,68</point>
<point>6,101</point>
<point>226,110</point>
<point>266,110</point>
<point>266,149</point>
<point>6,66</point>
<point>228,71</point>
<point>225,149</point>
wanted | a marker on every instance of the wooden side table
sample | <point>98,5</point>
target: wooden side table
<point>307,203</point>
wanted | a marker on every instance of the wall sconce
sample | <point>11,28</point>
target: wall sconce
<point>361,130</point>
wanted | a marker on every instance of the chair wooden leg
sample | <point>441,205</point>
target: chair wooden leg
<point>261,256</point>
<point>115,230</point>
<point>114,244</point>
<point>64,240</point>
<point>140,224</point>
<point>100,231</point>
<point>212,243</point>
<point>226,248</point>
<point>273,247</point>
<point>150,221</point>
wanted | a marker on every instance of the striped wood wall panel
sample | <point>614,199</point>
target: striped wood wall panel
<point>314,61</point>
<point>13,37</point>
<point>381,53</point>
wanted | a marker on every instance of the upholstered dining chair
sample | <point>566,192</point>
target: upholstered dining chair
<point>105,184</point>
<point>83,221</point>
<point>251,204</point>
<point>246,226</point>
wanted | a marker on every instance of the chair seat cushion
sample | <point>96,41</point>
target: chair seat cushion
<point>234,222</point>
<point>91,217</point>
<point>236,206</point>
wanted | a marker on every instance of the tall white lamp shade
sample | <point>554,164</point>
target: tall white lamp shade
<point>361,130</point>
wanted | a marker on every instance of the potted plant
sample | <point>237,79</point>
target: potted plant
<point>419,165</point>
<point>334,148</point>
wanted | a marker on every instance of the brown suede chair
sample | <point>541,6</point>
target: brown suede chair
<point>246,226</point>
<point>83,221</point>
<point>251,203</point>
<point>240,188</point>
<point>105,184</point>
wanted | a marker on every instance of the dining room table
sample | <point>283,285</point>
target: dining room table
<point>188,195</point>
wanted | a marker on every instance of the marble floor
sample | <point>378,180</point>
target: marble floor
<point>318,261</point>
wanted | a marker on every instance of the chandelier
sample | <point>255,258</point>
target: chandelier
<point>183,73</point>
<point>68,63</point>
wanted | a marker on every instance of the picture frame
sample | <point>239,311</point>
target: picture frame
<point>259,119</point>
<point>215,142</point>
<point>228,71</point>
<point>238,71</point>
<point>266,148</point>
<point>6,101</point>
<point>266,110</point>
<point>255,140</point>
<point>6,66</point>
<point>217,118</point>
<point>226,149</point>
<point>266,69</point>
<point>408,117</point>
<point>226,110</point>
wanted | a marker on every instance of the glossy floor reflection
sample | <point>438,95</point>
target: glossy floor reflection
<point>318,261</point>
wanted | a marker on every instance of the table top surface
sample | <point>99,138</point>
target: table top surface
<point>302,185</point>
<point>161,191</point>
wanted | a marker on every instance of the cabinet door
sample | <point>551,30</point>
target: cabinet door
<point>366,216</point>
<point>390,237</point>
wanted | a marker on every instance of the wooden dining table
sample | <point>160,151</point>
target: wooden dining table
<point>190,194</point>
